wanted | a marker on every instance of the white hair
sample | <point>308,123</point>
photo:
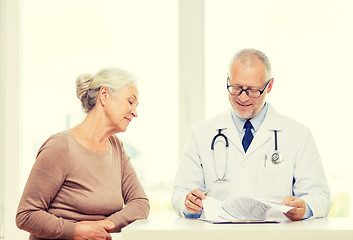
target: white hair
<point>249,54</point>
<point>88,85</point>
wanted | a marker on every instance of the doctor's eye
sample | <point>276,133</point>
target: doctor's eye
<point>253,91</point>
<point>234,90</point>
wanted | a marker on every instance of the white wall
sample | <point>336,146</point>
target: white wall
<point>10,79</point>
<point>310,46</point>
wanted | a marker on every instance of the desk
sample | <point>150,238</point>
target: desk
<point>175,228</point>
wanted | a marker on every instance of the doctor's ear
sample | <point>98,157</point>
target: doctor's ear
<point>103,95</point>
<point>269,88</point>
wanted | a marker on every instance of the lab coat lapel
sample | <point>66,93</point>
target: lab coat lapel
<point>230,131</point>
<point>265,132</point>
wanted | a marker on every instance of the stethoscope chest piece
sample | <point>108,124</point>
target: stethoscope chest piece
<point>221,180</point>
<point>276,158</point>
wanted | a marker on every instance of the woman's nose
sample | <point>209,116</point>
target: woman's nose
<point>134,112</point>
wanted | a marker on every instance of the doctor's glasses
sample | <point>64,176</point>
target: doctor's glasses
<point>253,93</point>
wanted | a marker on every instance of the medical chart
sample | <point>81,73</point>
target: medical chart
<point>243,208</point>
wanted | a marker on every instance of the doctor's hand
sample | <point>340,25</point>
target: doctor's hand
<point>298,212</point>
<point>193,201</point>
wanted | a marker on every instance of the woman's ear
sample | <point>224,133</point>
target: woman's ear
<point>103,95</point>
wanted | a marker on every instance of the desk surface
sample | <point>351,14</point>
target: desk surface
<point>173,227</point>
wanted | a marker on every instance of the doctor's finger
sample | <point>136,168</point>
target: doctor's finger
<point>191,207</point>
<point>295,202</point>
<point>296,213</point>
<point>289,215</point>
<point>296,216</point>
<point>198,193</point>
<point>289,198</point>
<point>195,200</point>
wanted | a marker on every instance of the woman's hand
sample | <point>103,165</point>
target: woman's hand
<point>94,230</point>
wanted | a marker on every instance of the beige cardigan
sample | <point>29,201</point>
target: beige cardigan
<point>68,183</point>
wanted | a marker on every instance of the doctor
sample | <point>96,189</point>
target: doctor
<point>251,150</point>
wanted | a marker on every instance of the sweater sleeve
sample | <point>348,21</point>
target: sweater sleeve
<point>45,180</point>
<point>135,199</point>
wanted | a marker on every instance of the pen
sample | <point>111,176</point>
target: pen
<point>203,193</point>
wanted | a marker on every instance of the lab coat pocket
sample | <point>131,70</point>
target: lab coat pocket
<point>275,177</point>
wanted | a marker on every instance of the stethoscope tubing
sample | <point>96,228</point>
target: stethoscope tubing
<point>276,157</point>
<point>276,148</point>
<point>220,134</point>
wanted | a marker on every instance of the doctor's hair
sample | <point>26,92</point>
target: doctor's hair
<point>88,85</point>
<point>247,55</point>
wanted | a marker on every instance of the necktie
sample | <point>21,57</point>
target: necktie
<point>247,136</point>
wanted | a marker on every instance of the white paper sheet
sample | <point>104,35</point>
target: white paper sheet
<point>243,208</point>
<point>212,208</point>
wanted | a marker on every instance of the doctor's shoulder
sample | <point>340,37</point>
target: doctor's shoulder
<point>294,128</point>
<point>207,125</point>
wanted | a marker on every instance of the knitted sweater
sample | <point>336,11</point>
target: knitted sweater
<point>68,183</point>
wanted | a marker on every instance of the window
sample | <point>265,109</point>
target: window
<point>307,42</point>
<point>62,39</point>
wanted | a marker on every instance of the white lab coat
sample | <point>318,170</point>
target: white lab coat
<point>300,174</point>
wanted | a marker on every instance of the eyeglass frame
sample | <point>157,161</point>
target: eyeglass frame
<point>247,90</point>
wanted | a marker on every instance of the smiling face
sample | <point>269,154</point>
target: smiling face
<point>121,108</point>
<point>248,75</point>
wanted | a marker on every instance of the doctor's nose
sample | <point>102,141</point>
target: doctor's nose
<point>243,97</point>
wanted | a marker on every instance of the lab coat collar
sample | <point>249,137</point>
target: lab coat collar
<point>272,120</point>
<point>230,130</point>
<point>255,121</point>
<point>270,123</point>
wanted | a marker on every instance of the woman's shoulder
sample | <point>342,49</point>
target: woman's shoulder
<point>116,142</point>
<point>54,151</point>
<point>57,141</point>
<point>119,148</point>
<point>60,137</point>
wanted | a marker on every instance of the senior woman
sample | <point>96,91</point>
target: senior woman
<point>82,184</point>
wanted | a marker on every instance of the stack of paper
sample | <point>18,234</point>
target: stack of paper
<point>242,208</point>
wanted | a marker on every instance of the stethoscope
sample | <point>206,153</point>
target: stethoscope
<point>223,178</point>
<point>276,157</point>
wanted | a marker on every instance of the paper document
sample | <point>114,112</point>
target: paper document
<point>243,209</point>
